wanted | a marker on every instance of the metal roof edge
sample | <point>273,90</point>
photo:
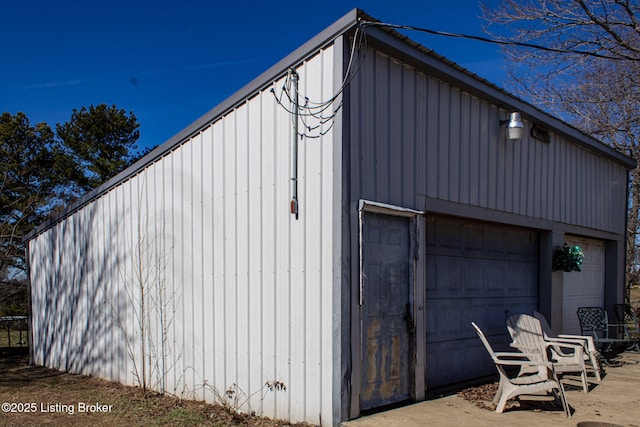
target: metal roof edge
<point>339,27</point>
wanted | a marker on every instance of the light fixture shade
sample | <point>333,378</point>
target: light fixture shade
<point>515,127</point>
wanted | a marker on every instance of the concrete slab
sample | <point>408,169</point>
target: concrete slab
<point>615,400</point>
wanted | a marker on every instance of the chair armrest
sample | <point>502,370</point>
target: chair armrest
<point>514,355</point>
<point>565,344</point>
<point>577,349</point>
<point>586,338</point>
<point>577,337</point>
<point>575,352</point>
<point>526,360</point>
<point>576,341</point>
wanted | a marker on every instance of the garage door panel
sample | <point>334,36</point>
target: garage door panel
<point>450,319</point>
<point>450,277</point>
<point>478,272</point>
<point>521,278</point>
<point>465,359</point>
<point>472,239</point>
<point>453,319</point>
<point>454,277</point>
<point>521,242</point>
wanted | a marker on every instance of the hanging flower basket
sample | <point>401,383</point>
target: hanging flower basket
<point>567,258</point>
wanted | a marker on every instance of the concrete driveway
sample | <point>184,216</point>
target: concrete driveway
<point>615,400</point>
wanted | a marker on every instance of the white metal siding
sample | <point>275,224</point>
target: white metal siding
<point>249,290</point>
<point>415,136</point>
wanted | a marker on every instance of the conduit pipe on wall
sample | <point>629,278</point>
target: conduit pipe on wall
<point>294,148</point>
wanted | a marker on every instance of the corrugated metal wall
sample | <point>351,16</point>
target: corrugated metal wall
<point>415,136</point>
<point>236,290</point>
<point>417,140</point>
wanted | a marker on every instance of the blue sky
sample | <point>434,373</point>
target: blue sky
<point>171,62</point>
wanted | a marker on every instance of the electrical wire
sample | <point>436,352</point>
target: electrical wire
<point>316,115</point>
<point>365,24</point>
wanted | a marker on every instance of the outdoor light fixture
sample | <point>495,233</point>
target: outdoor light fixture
<point>514,125</point>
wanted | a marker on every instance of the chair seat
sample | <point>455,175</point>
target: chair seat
<point>535,379</point>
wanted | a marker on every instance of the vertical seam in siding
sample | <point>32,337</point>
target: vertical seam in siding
<point>321,289</point>
<point>223,213</point>
<point>260,237</point>
<point>203,283</point>
<point>236,311</point>
<point>247,303</point>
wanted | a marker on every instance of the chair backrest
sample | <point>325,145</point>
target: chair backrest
<point>485,342</point>
<point>546,329</point>
<point>626,316</point>
<point>526,333</point>
<point>624,313</point>
<point>593,320</point>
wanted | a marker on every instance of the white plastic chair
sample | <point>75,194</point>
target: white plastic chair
<point>526,333</point>
<point>542,376</point>
<point>592,355</point>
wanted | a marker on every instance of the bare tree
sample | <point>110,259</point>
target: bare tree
<point>149,298</point>
<point>585,70</point>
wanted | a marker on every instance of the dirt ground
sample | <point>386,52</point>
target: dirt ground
<point>37,396</point>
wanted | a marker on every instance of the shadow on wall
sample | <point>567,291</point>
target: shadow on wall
<point>101,301</point>
<point>74,272</point>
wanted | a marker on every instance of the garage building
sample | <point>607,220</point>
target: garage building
<point>334,226</point>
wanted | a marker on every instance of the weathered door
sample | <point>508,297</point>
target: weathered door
<point>387,325</point>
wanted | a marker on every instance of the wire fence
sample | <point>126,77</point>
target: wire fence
<point>14,331</point>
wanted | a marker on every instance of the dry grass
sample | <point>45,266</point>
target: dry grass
<point>16,337</point>
<point>42,389</point>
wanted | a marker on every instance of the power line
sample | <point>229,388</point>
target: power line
<point>317,118</point>
<point>316,115</point>
<point>365,24</point>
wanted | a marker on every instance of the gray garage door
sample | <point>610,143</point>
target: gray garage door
<point>479,272</point>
